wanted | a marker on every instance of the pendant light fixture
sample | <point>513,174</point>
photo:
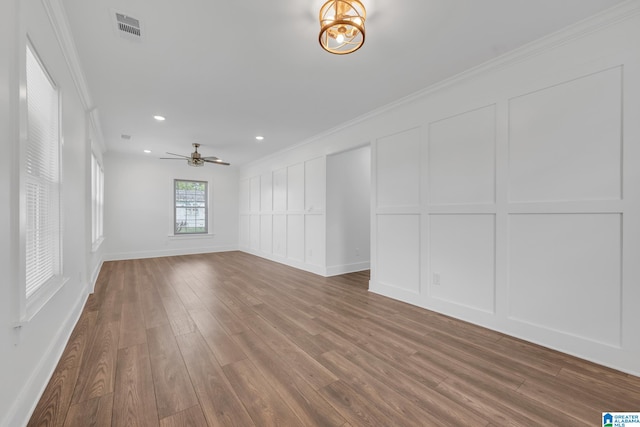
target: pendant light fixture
<point>342,26</point>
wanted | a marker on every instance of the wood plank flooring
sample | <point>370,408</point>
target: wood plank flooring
<point>229,339</point>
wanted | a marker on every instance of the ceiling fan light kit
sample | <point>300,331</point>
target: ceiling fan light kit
<point>342,26</point>
<point>196,160</point>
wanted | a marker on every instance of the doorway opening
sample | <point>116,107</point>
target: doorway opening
<point>349,211</point>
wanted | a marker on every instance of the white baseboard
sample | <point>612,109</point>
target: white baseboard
<point>94,276</point>
<point>300,265</point>
<point>336,270</point>
<point>29,395</point>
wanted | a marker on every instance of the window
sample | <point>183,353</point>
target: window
<point>190,207</point>
<point>41,184</point>
<point>97,202</point>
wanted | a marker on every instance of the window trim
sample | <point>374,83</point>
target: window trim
<point>30,305</point>
<point>206,231</point>
<point>97,203</point>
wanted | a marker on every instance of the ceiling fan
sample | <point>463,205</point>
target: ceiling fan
<point>196,159</point>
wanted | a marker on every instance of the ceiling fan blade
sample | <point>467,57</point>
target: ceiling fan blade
<point>217,162</point>
<point>179,155</point>
<point>172,158</point>
<point>211,158</point>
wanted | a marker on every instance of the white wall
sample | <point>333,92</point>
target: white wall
<point>139,207</point>
<point>349,211</point>
<point>29,354</point>
<point>509,196</point>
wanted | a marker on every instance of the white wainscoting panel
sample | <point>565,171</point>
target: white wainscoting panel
<point>254,233</point>
<point>280,235</point>
<point>565,273</point>
<point>245,196</point>
<point>255,194</point>
<point>462,259</point>
<point>398,169</point>
<point>266,233</point>
<point>462,152</point>
<point>565,141</point>
<point>314,240</point>
<point>314,184</point>
<point>280,190</point>
<point>295,237</point>
<point>398,242</point>
<point>266,192</point>
<point>295,187</point>
<point>245,231</point>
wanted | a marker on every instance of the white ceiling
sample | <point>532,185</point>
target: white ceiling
<point>223,72</point>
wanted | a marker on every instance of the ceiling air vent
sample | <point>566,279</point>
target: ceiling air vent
<point>128,27</point>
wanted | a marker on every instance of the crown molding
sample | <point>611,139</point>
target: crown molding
<point>58,18</point>
<point>621,12</point>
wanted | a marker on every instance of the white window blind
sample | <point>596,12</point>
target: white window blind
<point>42,178</point>
<point>97,201</point>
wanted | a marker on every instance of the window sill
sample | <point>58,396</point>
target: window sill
<point>41,298</point>
<point>190,236</point>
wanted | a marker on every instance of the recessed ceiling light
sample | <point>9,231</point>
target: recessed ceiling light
<point>259,138</point>
<point>147,151</point>
<point>159,118</point>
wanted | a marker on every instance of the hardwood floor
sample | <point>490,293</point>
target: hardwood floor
<point>229,339</point>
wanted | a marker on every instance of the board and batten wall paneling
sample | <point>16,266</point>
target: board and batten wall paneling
<point>254,232</point>
<point>527,216</point>
<point>295,188</point>
<point>315,201</point>
<point>244,201</point>
<point>314,240</point>
<point>266,192</point>
<point>254,198</point>
<point>398,170</point>
<point>280,235</point>
<point>266,209</point>
<point>244,222</point>
<point>287,218</point>
<point>292,209</point>
<point>564,274</point>
<point>462,259</point>
<point>397,220</point>
<point>280,190</point>
<point>565,140</point>
<point>462,158</point>
<point>254,206</point>
<point>461,176</point>
<point>516,186</point>
<point>314,185</point>
<point>244,232</point>
<point>398,260</point>
<point>266,233</point>
<point>295,237</point>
